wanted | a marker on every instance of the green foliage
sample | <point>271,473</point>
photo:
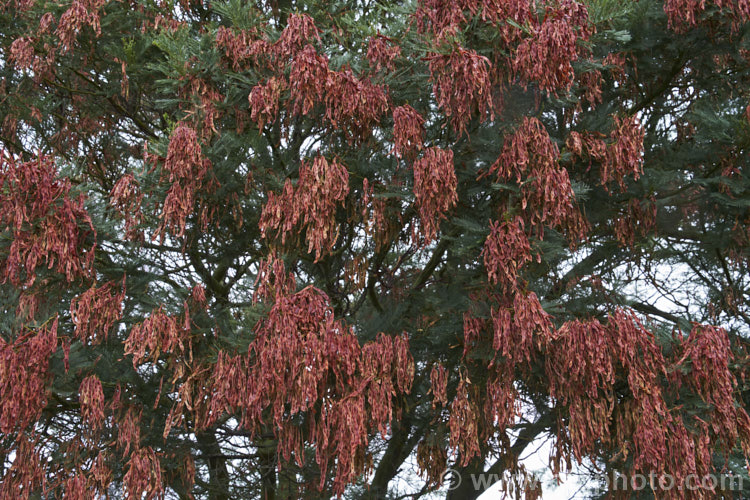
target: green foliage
<point>669,243</point>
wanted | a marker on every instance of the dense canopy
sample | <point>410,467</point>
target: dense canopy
<point>331,248</point>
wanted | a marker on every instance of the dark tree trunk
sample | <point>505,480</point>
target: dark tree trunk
<point>471,488</point>
<point>465,489</point>
<point>218,474</point>
<point>267,455</point>
<point>399,447</point>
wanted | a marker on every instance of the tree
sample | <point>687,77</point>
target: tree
<point>285,250</point>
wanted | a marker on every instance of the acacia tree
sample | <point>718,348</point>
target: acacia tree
<point>286,250</point>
